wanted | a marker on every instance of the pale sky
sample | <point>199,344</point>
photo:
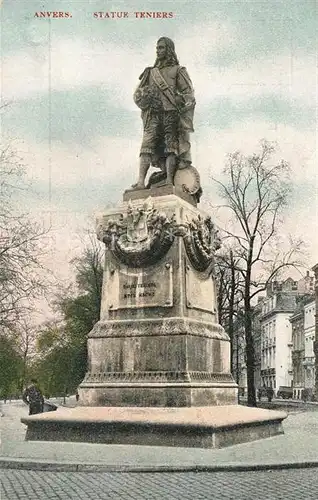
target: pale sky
<point>70,83</point>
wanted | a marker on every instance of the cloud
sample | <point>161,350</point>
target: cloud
<point>72,64</point>
<point>82,176</point>
<point>298,147</point>
<point>78,63</point>
<point>112,161</point>
<point>84,179</point>
<point>281,75</point>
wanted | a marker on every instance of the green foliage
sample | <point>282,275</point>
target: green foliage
<point>62,351</point>
<point>48,337</point>
<point>61,370</point>
<point>80,314</point>
<point>10,366</point>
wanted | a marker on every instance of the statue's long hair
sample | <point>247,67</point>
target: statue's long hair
<point>171,57</point>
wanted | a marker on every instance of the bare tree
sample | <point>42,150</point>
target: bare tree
<point>256,191</point>
<point>22,243</point>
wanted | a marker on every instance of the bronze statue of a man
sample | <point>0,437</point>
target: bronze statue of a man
<point>166,98</point>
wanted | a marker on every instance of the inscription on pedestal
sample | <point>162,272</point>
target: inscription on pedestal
<point>133,289</point>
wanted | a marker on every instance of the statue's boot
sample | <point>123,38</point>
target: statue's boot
<point>143,169</point>
<point>171,168</point>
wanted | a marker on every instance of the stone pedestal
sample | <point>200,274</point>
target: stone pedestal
<point>158,342</point>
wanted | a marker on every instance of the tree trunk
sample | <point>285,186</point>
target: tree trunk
<point>250,357</point>
<point>230,332</point>
<point>251,395</point>
<point>24,373</point>
<point>231,313</point>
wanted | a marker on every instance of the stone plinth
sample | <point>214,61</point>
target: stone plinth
<point>155,192</point>
<point>158,342</point>
<point>208,427</point>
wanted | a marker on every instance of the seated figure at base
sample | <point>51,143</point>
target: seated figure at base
<point>165,96</point>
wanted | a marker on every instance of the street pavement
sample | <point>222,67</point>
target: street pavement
<point>298,444</point>
<point>299,484</point>
<point>92,471</point>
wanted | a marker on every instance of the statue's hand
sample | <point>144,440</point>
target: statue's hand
<point>148,97</point>
<point>141,99</point>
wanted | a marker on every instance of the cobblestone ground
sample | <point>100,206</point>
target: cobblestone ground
<point>299,484</point>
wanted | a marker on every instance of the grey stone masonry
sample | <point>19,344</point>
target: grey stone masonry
<point>158,342</point>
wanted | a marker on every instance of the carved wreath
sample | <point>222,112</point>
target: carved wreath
<point>143,235</point>
<point>140,237</point>
<point>201,241</point>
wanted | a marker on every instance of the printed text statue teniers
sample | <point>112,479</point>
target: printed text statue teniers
<point>166,97</point>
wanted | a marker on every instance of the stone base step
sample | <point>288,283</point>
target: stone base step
<point>201,427</point>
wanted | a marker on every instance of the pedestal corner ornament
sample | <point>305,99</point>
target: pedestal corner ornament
<point>143,235</point>
<point>201,241</point>
<point>140,237</point>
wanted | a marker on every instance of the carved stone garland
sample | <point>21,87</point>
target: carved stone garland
<point>201,241</point>
<point>141,237</point>
<point>144,235</point>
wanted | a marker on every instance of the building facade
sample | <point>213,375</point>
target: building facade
<point>282,321</point>
<point>276,340</point>
<point>315,269</point>
<point>280,362</point>
<point>309,339</point>
<point>298,350</point>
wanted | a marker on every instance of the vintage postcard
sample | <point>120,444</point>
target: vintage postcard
<point>158,246</point>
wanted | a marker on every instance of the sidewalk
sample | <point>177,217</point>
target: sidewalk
<point>243,400</point>
<point>298,447</point>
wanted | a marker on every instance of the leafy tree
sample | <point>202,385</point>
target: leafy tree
<point>82,311</point>
<point>10,366</point>
<point>23,333</point>
<point>256,192</point>
<point>46,366</point>
<point>62,345</point>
